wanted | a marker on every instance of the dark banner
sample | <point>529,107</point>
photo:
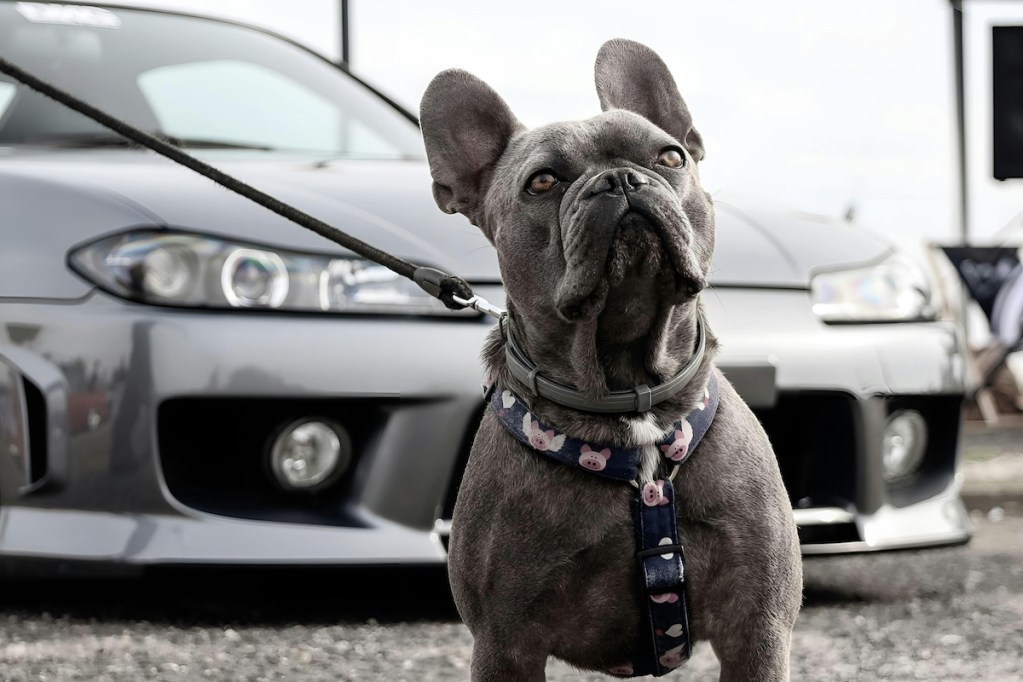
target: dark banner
<point>993,277</point>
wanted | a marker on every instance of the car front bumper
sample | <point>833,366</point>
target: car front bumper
<point>122,393</point>
<point>934,522</point>
<point>834,389</point>
<point>134,415</point>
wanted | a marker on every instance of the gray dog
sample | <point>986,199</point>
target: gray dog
<point>604,237</point>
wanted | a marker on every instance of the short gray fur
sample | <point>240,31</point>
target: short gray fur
<point>603,274</point>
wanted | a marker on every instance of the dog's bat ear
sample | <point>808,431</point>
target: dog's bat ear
<point>631,76</point>
<point>466,127</point>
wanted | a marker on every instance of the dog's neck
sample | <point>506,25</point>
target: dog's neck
<point>651,358</point>
<point>577,355</point>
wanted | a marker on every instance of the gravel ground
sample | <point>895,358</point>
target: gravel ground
<point>992,465</point>
<point>949,614</point>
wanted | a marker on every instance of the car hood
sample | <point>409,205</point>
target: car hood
<point>66,197</point>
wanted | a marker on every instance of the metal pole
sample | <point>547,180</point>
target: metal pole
<point>975,387</point>
<point>957,37</point>
<point>346,53</point>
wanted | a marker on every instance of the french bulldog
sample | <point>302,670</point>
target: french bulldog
<point>604,238</point>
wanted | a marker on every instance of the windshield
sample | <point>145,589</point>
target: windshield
<point>198,82</point>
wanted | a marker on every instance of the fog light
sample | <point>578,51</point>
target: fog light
<point>310,454</point>
<point>905,438</point>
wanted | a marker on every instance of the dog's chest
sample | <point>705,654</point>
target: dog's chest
<point>646,435</point>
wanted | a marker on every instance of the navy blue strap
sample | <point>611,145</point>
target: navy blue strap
<point>664,639</point>
<point>620,464</point>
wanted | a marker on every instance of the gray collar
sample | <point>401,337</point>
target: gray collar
<point>639,399</point>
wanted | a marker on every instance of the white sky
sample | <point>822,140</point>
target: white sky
<point>814,104</point>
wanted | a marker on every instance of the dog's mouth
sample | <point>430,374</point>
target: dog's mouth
<point>637,251</point>
<point>644,266</point>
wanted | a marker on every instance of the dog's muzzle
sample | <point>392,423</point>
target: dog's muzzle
<point>591,220</point>
<point>618,182</point>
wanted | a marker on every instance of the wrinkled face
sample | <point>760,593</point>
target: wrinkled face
<point>597,215</point>
<point>602,218</point>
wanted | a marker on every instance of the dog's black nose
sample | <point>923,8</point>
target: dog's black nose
<point>618,181</point>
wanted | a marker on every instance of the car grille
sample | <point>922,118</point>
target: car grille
<point>214,451</point>
<point>815,440</point>
<point>35,405</point>
<point>24,429</point>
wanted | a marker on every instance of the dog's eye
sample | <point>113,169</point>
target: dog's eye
<point>543,181</point>
<point>671,157</point>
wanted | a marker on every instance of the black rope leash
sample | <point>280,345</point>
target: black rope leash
<point>453,291</point>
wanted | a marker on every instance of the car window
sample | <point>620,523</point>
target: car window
<point>197,80</point>
<point>250,104</point>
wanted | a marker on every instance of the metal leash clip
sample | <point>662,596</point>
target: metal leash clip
<point>481,305</point>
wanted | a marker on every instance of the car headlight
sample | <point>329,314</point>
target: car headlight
<point>892,290</point>
<point>197,271</point>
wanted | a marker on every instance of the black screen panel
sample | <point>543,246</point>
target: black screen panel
<point>1007,100</point>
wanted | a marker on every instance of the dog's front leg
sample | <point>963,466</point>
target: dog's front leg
<point>764,659</point>
<point>506,662</point>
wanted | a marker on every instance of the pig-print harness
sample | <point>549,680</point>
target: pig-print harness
<point>664,641</point>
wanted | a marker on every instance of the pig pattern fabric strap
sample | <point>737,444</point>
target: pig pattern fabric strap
<point>664,641</point>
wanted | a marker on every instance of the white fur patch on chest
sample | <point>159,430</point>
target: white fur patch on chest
<point>647,434</point>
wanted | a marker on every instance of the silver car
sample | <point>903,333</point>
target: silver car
<point>187,378</point>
